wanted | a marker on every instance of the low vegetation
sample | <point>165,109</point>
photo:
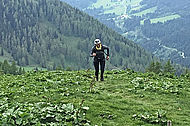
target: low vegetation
<point>74,98</point>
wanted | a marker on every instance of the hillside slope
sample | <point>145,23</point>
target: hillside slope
<point>125,98</point>
<point>160,26</point>
<point>50,33</point>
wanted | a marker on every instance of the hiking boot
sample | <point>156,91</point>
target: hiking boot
<point>102,79</point>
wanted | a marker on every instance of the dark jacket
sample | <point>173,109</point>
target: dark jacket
<point>99,52</point>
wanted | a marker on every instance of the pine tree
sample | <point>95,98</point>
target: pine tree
<point>168,68</point>
<point>6,67</point>
<point>158,68</point>
<point>23,71</point>
<point>20,71</point>
<point>2,52</point>
<point>1,71</point>
<point>151,67</point>
<point>13,68</point>
<point>155,67</point>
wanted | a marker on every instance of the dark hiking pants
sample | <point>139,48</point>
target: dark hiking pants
<point>102,66</point>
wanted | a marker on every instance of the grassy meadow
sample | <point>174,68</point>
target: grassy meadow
<point>125,98</point>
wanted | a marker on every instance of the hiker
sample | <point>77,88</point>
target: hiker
<point>99,58</point>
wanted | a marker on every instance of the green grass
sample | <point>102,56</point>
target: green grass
<point>118,10</point>
<point>30,68</point>
<point>164,19</point>
<point>113,102</point>
<point>134,3</point>
<point>150,10</point>
<point>117,7</point>
<point>137,8</point>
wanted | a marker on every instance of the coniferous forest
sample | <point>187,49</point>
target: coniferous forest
<point>50,33</point>
<point>160,26</point>
<point>53,35</point>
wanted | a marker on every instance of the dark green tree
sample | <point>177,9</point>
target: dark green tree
<point>155,67</point>
<point>2,52</point>
<point>13,68</point>
<point>20,71</point>
<point>6,67</point>
<point>23,71</point>
<point>151,67</point>
<point>168,67</point>
<point>158,68</point>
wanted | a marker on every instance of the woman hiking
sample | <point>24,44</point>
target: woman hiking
<point>98,53</point>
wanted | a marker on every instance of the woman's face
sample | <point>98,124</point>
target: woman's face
<point>98,45</point>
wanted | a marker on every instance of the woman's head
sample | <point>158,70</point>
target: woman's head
<point>97,42</point>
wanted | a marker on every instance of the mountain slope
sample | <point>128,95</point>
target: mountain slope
<point>161,26</point>
<point>51,33</point>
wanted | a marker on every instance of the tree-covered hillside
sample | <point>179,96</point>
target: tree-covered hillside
<point>160,26</point>
<point>50,33</point>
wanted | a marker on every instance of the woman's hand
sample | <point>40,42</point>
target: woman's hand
<point>94,54</point>
<point>107,57</point>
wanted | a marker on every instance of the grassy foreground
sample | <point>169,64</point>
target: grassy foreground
<point>125,98</point>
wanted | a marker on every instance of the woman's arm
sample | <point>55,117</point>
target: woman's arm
<point>108,52</point>
<point>93,52</point>
<point>107,48</point>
